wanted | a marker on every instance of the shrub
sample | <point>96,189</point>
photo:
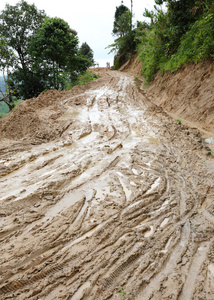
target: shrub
<point>83,79</point>
<point>197,44</point>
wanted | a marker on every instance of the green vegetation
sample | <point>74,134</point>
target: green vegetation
<point>125,43</point>
<point>179,121</point>
<point>196,44</point>
<point>3,109</point>
<point>178,32</point>
<point>183,34</point>
<point>210,152</point>
<point>122,294</point>
<point>83,79</point>
<point>54,49</point>
<point>38,53</point>
<point>86,51</point>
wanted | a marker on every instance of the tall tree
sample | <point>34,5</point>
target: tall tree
<point>87,52</point>
<point>125,43</point>
<point>54,47</point>
<point>122,21</point>
<point>7,62</point>
<point>17,24</point>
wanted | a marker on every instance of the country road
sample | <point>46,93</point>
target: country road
<point>109,198</point>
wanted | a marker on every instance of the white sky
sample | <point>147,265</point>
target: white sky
<point>92,19</point>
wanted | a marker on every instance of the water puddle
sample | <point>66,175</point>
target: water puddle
<point>153,186</point>
<point>86,235</point>
<point>211,269</point>
<point>66,201</point>
<point>95,114</point>
<point>47,173</point>
<point>167,246</point>
<point>131,141</point>
<point>135,172</point>
<point>89,138</point>
<point>127,192</point>
<point>134,204</point>
<point>149,233</point>
<point>80,293</point>
<point>164,223</point>
<point>83,209</point>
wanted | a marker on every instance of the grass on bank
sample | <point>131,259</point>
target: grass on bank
<point>197,44</point>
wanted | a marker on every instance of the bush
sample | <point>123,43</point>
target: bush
<point>197,44</point>
<point>83,79</point>
<point>3,109</point>
<point>182,35</point>
<point>151,55</point>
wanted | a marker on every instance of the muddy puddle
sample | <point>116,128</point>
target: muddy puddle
<point>108,205</point>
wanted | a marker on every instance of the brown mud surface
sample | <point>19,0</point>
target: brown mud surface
<point>187,94</point>
<point>104,196</point>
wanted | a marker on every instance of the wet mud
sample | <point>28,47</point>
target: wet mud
<point>115,202</point>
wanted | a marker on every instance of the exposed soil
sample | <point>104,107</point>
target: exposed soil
<point>104,196</point>
<point>187,94</point>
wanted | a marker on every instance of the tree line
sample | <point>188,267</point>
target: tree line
<point>177,32</point>
<point>38,53</point>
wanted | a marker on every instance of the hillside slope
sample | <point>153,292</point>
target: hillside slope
<point>187,94</point>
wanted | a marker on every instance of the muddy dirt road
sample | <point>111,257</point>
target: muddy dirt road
<point>119,204</point>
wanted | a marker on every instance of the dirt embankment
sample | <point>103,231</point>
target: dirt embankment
<point>103,196</point>
<point>187,94</point>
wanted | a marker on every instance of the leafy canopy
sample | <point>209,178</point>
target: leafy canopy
<point>125,43</point>
<point>17,24</point>
<point>54,47</point>
<point>87,52</point>
<point>7,63</point>
<point>183,34</point>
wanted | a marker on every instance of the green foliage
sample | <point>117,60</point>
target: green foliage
<point>183,34</point>
<point>122,294</point>
<point>179,121</point>
<point>210,152</point>
<point>125,44</point>
<point>180,16</point>
<point>7,56</point>
<point>120,26</point>
<point>86,51</point>
<point>17,24</point>
<point>151,54</point>
<point>3,109</point>
<point>46,49</point>
<point>7,62</point>
<point>197,44</point>
<point>82,79</point>
<point>54,49</point>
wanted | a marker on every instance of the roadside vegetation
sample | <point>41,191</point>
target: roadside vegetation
<point>38,53</point>
<point>82,79</point>
<point>178,32</point>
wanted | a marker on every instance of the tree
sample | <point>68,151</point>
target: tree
<point>121,14</point>
<point>87,52</point>
<point>54,49</point>
<point>7,62</point>
<point>17,24</point>
<point>181,15</point>
<point>125,44</point>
